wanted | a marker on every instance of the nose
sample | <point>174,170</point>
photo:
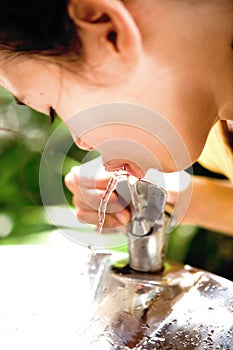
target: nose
<point>83,145</point>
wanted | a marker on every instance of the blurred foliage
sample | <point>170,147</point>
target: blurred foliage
<point>23,137</point>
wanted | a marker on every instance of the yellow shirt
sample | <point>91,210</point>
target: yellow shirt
<point>217,155</point>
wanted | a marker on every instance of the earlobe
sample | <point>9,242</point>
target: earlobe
<point>108,24</point>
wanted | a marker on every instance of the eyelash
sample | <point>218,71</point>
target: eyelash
<point>18,102</point>
<point>52,112</point>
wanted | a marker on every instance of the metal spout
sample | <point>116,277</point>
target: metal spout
<point>148,233</point>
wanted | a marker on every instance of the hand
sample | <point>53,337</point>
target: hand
<point>88,185</point>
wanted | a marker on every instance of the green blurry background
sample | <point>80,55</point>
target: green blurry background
<point>23,220</point>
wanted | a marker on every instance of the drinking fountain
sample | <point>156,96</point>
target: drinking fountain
<point>141,301</point>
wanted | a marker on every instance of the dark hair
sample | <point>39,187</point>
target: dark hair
<point>38,27</point>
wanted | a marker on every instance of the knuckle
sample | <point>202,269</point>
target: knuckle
<point>81,216</point>
<point>77,201</point>
<point>68,179</point>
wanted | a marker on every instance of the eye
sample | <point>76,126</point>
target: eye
<point>52,114</point>
<point>18,102</point>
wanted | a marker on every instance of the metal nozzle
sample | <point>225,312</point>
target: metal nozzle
<point>148,230</point>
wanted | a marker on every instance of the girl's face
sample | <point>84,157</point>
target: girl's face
<point>170,65</point>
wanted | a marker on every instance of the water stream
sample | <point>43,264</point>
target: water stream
<point>111,186</point>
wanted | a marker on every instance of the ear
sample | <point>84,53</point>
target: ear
<point>107,32</point>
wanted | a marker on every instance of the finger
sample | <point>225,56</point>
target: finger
<point>89,180</point>
<point>70,183</point>
<point>74,184</point>
<point>111,220</point>
<point>92,199</point>
<point>114,208</point>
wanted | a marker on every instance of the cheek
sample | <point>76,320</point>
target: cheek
<point>140,135</point>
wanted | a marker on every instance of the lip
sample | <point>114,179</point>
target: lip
<point>134,170</point>
<point>131,169</point>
